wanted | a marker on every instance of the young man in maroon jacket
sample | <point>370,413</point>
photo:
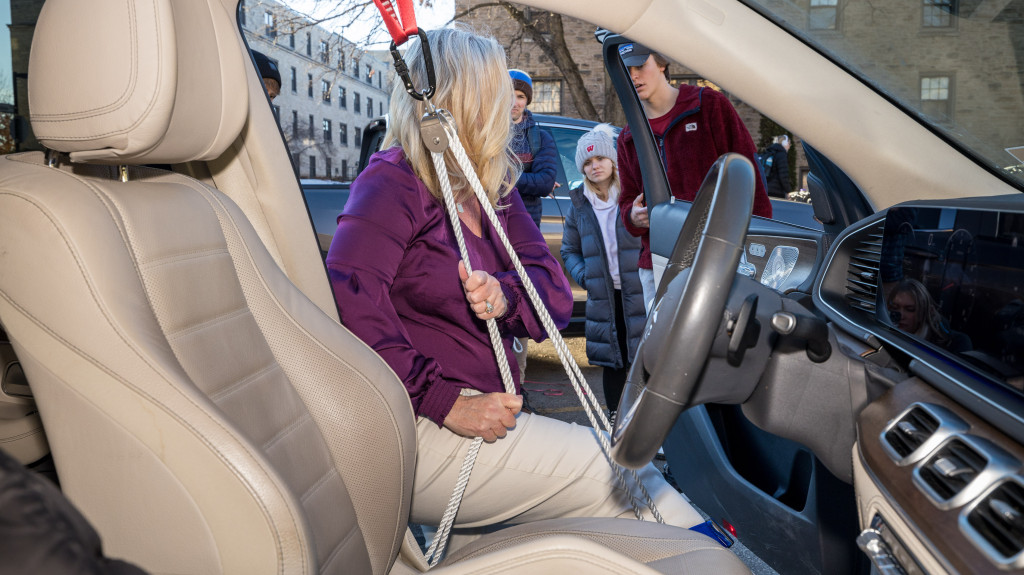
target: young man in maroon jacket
<point>693,127</point>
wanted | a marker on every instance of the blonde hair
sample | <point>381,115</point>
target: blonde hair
<point>473,84</point>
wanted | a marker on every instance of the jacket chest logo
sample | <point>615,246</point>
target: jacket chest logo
<point>691,127</point>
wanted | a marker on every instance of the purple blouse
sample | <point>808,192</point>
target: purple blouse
<point>393,265</point>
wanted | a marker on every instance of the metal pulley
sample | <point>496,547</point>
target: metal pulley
<point>437,128</point>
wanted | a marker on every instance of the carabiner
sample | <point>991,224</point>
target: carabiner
<point>403,70</point>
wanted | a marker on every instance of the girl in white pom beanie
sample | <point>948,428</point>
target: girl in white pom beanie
<point>602,257</point>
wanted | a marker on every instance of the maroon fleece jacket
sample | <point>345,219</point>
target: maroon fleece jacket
<point>704,126</point>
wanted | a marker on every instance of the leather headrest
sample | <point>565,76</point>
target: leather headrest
<point>137,81</point>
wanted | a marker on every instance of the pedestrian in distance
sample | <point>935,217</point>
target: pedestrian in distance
<point>400,286</point>
<point>776,170</point>
<point>269,72</point>
<point>535,148</point>
<point>601,255</point>
<point>693,126</point>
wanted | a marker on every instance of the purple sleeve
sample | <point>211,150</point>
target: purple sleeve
<point>544,271</point>
<point>373,233</point>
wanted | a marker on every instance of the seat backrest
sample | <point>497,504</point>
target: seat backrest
<point>203,414</point>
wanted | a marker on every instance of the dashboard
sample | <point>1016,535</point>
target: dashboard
<point>935,292</point>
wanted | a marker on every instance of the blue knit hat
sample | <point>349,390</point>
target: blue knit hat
<point>521,81</point>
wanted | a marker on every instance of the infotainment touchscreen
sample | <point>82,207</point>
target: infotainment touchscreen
<point>954,279</point>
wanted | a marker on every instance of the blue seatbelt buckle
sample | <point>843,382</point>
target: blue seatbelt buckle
<point>714,531</point>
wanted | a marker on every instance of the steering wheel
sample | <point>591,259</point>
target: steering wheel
<point>688,312</point>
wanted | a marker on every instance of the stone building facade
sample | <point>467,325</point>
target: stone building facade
<point>330,88</point>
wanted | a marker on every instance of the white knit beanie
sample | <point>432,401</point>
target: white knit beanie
<point>598,142</point>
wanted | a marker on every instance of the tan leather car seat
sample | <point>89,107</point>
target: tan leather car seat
<point>203,414</point>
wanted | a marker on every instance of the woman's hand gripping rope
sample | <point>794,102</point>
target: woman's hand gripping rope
<point>483,292</point>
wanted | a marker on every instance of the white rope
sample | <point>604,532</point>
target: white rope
<point>579,383</point>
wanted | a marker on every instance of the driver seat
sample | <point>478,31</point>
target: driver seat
<point>203,414</point>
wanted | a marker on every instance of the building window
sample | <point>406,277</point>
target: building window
<point>294,80</point>
<point>341,58</point>
<point>342,99</point>
<point>381,106</point>
<point>343,134</point>
<point>355,68</point>
<point>369,107</point>
<point>355,103</point>
<point>325,87</point>
<point>344,169</point>
<point>938,13</point>
<point>277,113</point>
<point>547,97</point>
<point>937,97</point>
<point>327,167</point>
<point>295,124</point>
<point>291,40</point>
<point>328,132</point>
<point>323,51</point>
<point>241,12</point>
<point>311,135</point>
<point>369,74</point>
<point>358,137</point>
<point>269,30</point>
<point>378,81</point>
<point>309,44</point>
<point>309,84</point>
<point>823,15</point>
<point>312,166</point>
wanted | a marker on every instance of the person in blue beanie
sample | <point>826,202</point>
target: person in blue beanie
<point>535,148</point>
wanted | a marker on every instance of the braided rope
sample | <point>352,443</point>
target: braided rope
<point>579,384</point>
<point>440,542</point>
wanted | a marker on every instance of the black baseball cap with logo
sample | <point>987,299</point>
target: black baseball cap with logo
<point>634,54</point>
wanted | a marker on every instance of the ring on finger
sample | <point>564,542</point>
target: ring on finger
<point>488,307</point>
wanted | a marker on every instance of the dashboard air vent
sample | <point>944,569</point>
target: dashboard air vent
<point>961,468</point>
<point>911,430</point>
<point>921,428</point>
<point>952,469</point>
<point>996,523</point>
<point>862,273</point>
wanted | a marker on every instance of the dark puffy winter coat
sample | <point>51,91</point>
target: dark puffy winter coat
<point>779,183</point>
<point>540,167</point>
<point>583,252</point>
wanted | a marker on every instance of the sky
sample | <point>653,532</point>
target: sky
<point>426,18</point>
<point>6,92</point>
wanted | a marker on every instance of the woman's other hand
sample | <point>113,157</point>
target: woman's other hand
<point>489,415</point>
<point>483,292</point>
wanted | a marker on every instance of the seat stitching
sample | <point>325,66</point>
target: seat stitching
<point>243,382</point>
<point>184,256</point>
<point>212,322</point>
<point>338,547</point>
<point>319,483</point>
<point>303,417</point>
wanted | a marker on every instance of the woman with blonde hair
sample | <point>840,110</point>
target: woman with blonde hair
<point>401,287</point>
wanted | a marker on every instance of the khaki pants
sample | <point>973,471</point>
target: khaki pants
<point>543,469</point>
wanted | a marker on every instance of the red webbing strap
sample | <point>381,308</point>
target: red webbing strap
<point>400,19</point>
